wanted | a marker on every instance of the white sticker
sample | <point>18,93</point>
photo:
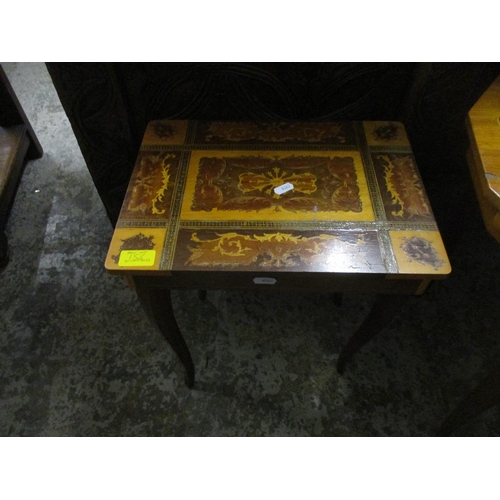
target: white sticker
<point>264,281</point>
<point>283,188</point>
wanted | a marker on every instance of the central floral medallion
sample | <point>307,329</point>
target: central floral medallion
<point>250,181</point>
<point>247,183</point>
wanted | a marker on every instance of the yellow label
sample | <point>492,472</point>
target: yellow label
<point>137,258</point>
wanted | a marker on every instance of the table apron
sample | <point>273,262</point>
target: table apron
<point>333,282</point>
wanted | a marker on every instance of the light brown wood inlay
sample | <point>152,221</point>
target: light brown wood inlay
<point>220,208</point>
<point>483,125</point>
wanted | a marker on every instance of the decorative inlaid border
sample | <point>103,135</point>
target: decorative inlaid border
<point>371,178</point>
<point>387,252</point>
<point>249,147</point>
<point>142,223</point>
<point>391,149</point>
<point>310,225</point>
<point>191,132</point>
<point>175,210</point>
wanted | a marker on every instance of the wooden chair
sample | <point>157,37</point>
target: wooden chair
<point>18,144</point>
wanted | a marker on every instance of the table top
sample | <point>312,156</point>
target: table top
<point>292,197</point>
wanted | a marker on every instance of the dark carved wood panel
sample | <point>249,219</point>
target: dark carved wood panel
<point>110,104</point>
<point>436,107</point>
<point>93,101</point>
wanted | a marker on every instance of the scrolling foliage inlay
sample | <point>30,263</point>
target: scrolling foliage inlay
<point>280,250</point>
<point>404,194</point>
<point>150,187</point>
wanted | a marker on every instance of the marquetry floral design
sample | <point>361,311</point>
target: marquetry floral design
<point>270,250</point>
<point>421,250</point>
<point>163,130</point>
<point>304,182</point>
<point>150,184</point>
<point>247,183</point>
<point>277,132</point>
<point>386,132</point>
<point>406,190</point>
<point>345,195</point>
<point>136,242</point>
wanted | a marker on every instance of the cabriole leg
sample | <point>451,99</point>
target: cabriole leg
<point>158,306</point>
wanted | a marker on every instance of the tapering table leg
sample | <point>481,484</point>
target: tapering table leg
<point>383,311</point>
<point>158,306</point>
<point>484,396</point>
<point>4,250</point>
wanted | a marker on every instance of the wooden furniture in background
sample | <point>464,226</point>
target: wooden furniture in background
<point>483,157</point>
<point>483,126</point>
<point>18,144</point>
<point>337,206</point>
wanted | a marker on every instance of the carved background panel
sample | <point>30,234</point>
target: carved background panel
<point>110,104</point>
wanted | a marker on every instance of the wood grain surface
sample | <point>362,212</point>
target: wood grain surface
<point>483,124</point>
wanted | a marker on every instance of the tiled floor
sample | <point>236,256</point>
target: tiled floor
<point>78,356</point>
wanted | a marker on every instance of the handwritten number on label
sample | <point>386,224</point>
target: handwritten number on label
<point>137,258</point>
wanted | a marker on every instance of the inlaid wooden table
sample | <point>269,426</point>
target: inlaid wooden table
<point>313,206</point>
